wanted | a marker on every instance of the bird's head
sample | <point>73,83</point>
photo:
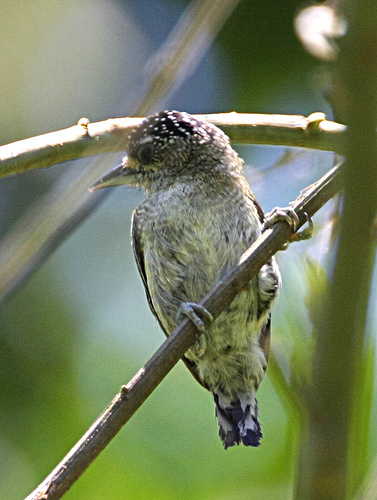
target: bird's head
<point>171,147</point>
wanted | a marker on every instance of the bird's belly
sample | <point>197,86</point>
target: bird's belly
<point>186,272</point>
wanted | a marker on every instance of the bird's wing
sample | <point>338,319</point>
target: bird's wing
<point>257,205</point>
<point>265,338</point>
<point>139,257</point>
<point>265,335</point>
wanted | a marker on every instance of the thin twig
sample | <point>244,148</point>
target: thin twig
<point>130,398</point>
<point>87,139</point>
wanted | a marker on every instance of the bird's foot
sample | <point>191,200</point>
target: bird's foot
<point>289,215</point>
<point>195,312</point>
<point>280,214</point>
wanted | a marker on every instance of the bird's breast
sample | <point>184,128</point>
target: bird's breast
<point>189,242</point>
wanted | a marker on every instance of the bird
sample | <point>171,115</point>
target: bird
<point>198,218</point>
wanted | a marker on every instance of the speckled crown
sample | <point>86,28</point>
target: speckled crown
<point>167,126</point>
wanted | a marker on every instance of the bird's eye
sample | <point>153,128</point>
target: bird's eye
<point>145,153</point>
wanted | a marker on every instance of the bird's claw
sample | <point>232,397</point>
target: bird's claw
<point>280,214</point>
<point>289,215</point>
<point>193,311</point>
<point>306,233</point>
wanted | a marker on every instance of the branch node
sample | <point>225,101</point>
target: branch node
<point>124,390</point>
<point>314,120</point>
<point>84,122</point>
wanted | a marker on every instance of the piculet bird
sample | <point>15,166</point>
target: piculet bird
<point>198,218</point>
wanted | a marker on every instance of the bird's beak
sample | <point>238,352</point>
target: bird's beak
<point>118,176</point>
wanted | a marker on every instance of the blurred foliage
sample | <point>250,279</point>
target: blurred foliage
<point>80,327</point>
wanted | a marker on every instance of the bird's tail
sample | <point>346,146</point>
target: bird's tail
<point>238,419</point>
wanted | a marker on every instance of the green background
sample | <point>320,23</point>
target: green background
<point>80,327</point>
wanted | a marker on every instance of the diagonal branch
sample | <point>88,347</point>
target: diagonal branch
<point>132,396</point>
<point>87,139</point>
